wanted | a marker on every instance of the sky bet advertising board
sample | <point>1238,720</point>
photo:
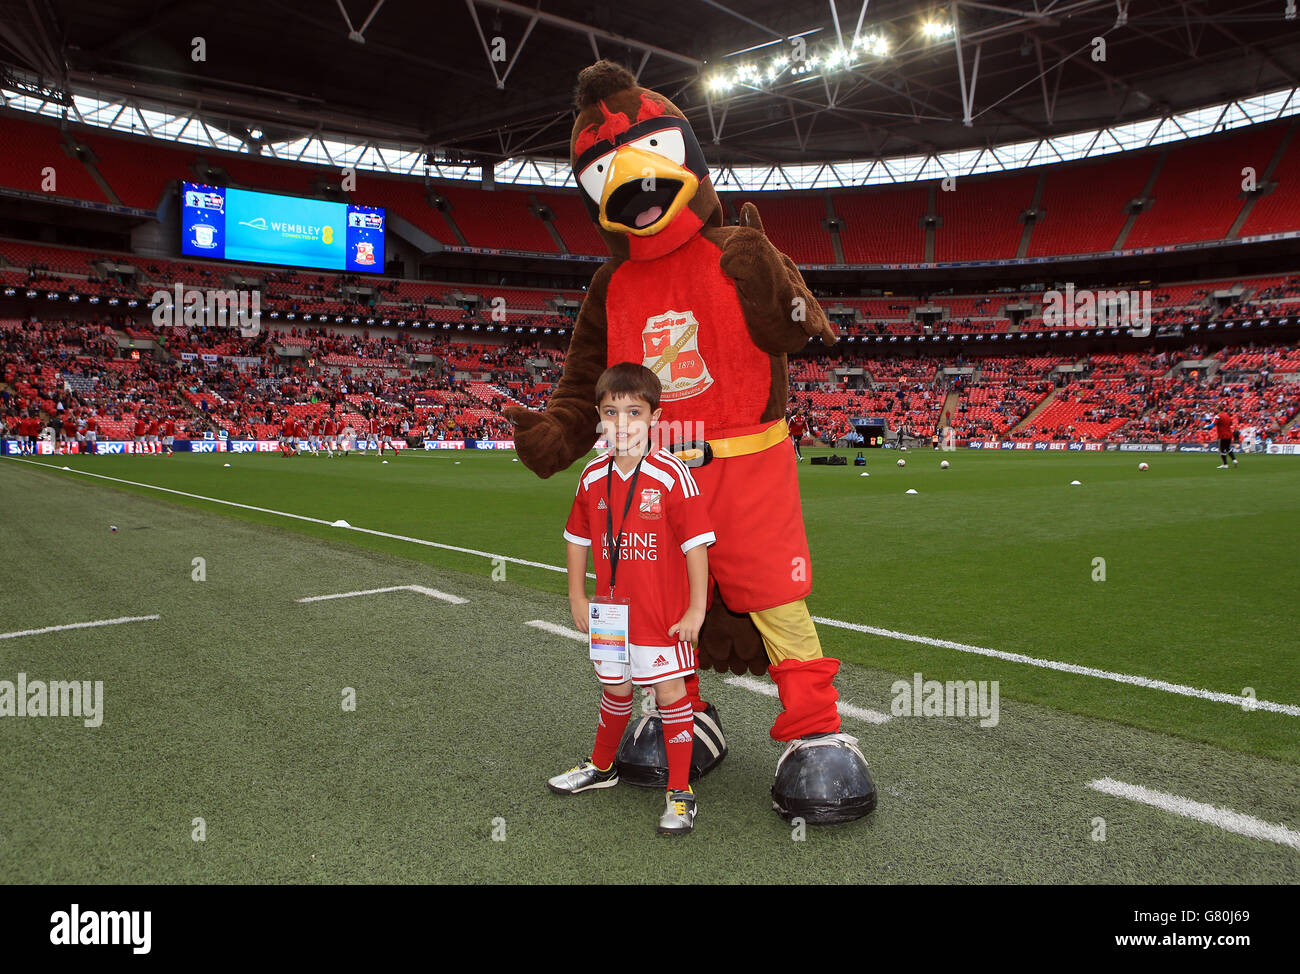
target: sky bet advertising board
<point>266,228</point>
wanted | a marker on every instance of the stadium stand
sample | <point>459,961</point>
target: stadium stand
<point>882,226</point>
<point>500,219</point>
<point>571,222</point>
<point>981,217</point>
<point>1081,223</point>
<point>793,223</point>
<point>139,171</point>
<point>1208,172</point>
<point>30,148</point>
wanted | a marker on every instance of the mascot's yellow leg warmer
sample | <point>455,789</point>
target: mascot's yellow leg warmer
<point>804,677</point>
<point>788,632</point>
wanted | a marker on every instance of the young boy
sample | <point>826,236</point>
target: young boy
<point>643,511</point>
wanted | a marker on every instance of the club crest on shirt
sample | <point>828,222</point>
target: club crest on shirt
<point>672,352</point>
<point>652,507</point>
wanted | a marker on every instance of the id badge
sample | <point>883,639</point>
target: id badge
<point>607,630</point>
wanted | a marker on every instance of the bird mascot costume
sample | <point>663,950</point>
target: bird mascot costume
<point>713,310</point>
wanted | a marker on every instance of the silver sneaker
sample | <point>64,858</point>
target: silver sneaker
<point>583,777</point>
<point>679,816</point>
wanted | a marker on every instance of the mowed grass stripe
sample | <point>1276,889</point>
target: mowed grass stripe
<point>229,708</point>
<point>997,551</point>
<point>1237,700</point>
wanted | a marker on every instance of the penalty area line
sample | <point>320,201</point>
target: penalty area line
<point>79,625</point>
<point>433,593</point>
<point>1223,818</point>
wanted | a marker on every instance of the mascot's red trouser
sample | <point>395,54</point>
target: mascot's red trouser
<point>760,565</point>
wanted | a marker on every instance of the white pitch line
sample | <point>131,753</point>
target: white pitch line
<point>845,709</point>
<point>431,592</point>
<point>1224,818</point>
<point>311,520</point>
<point>1291,710</point>
<point>558,630</point>
<point>79,625</point>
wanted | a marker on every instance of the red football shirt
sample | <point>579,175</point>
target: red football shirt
<point>667,518</point>
<point>141,427</point>
<point>1223,426</point>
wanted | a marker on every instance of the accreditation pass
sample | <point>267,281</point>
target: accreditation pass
<point>607,630</point>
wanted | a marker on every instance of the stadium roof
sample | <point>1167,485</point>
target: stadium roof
<point>861,81</point>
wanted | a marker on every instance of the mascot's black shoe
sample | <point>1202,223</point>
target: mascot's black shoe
<point>641,758</point>
<point>824,780</point>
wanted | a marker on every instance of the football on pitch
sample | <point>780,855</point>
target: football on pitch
<point>902,462</point>
<point>1143,466</point>
<point>943,464</point>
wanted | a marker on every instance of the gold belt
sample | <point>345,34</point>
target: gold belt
<point>697,454</point>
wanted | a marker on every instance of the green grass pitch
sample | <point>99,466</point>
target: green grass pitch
<point>227,708</point>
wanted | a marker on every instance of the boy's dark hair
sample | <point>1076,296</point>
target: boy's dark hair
<point>629,379</point>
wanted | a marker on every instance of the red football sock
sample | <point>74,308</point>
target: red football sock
<point>693,691</point>
<point>614,714</point>
<point>679,739</point>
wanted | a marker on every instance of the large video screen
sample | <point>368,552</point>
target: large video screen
<point>266,228</point>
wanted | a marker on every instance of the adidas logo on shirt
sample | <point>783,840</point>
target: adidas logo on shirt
<point>660,662</point>
<point>601,506</point>
<point>683,738</point>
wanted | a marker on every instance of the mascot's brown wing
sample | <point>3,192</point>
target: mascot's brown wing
<point>780,312</point>
<point>549,441</point>
<point>730,642</point>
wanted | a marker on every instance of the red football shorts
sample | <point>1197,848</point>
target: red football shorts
<point>760,559</point>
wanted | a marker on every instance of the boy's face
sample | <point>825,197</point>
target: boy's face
<point>625,423</point>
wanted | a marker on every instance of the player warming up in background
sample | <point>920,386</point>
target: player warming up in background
<point>797,430</point>
<point>1223,430</point>
<point>642,510</point>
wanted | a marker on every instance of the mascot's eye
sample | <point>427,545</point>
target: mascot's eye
<point>666,142</point>
<point>592,178</point>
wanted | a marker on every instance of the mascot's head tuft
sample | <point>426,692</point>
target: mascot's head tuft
<point>638,165</point>
<point>602,79</point>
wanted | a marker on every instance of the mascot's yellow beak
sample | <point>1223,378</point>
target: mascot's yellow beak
<point>643,192</point>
